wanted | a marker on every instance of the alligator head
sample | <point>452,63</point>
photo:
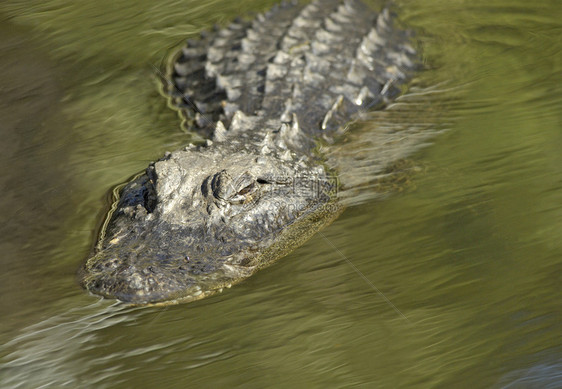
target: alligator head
<point>200,220</point>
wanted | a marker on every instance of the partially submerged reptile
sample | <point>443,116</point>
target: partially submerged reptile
<point>264,92</point>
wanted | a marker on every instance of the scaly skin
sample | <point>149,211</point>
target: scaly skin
<point>204,218</point>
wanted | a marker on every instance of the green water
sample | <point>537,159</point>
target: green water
<point>460,282</point>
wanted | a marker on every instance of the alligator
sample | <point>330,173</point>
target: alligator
<point>265,93</point>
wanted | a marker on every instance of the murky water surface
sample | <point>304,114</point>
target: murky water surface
<point>460,260</point>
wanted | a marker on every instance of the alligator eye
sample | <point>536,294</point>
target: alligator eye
<point>263,181</point>
<point>246,189</point>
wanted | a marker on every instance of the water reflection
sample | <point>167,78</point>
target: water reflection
<point>49,353</point>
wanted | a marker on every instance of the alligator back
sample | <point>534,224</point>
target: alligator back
<point>317,64</point>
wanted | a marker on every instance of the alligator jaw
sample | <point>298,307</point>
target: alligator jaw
<point>157,283</point>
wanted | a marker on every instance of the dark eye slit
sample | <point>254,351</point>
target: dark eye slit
<point>263,181</point>
<point>246,189</point>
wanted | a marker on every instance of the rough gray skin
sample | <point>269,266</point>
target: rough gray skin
<point>264,91</point>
